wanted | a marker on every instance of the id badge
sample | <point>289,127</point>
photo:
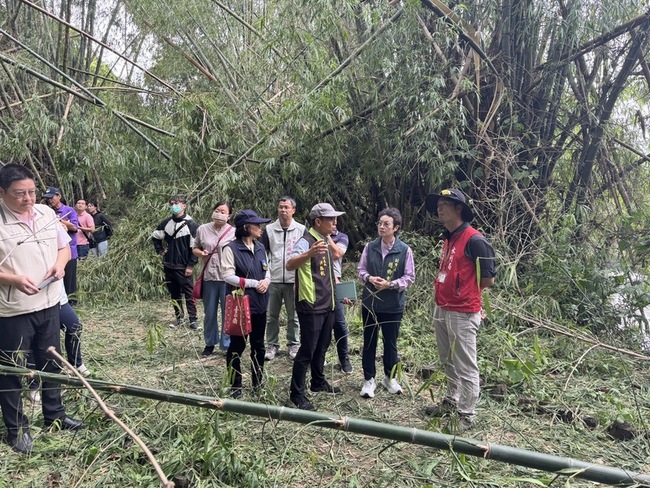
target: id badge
<point>442,277</point>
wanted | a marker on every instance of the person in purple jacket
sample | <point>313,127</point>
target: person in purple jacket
<point>70,221</point>
<point>386,268</point>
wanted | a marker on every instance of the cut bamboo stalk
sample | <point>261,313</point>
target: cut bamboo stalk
<point>555,464</point>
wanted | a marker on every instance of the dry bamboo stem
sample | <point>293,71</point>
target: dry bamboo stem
<point>163,478</point>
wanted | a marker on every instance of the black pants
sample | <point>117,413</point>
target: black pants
<point>72,325</point>
<point>70,281</point>
<point>180,286</point>
<point>19,335</point>
<point>315,338</point>
<point>389,324</point>
<point>237,347</point>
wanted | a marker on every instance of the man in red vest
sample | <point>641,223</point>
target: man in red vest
<point>457,315</point>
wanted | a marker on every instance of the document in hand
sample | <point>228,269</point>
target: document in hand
<point>346,289</point>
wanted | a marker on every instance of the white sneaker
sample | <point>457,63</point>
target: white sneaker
<point>34,396</point>
<point>271,351</point>
<point>391,385</point>
<point>368,388</point>
<point>84,371</point>
<point>293,350</point>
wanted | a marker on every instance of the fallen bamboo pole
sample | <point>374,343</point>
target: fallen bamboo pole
<point>511,455</point>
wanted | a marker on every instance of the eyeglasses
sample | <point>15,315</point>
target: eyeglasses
<point>22,194</point>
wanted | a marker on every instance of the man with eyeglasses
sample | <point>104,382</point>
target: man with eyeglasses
<point>70,222</point>
<point>34,250</point>
<point>467,266</point>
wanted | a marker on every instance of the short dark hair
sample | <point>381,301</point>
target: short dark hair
<point>223,202</point>
<point>287,198</point>
<point>393,213</point>
<point>243,231</point>
<point>14,172</point>
<point>178,198</point>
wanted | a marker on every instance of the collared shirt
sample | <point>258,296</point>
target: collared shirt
<point>62,236</point>
<point>404,281</point>
<point>302,246</point>
<point>207,238</point>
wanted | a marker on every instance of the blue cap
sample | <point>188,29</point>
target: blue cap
<point>249,217</point>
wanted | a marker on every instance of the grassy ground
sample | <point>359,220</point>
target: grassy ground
<point>131,344</point>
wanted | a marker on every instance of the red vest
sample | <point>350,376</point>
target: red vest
<point>457,288</point>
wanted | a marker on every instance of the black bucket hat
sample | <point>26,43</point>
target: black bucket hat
<point>453,195</point>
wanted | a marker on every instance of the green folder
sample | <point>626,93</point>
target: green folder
<point>346,289</point>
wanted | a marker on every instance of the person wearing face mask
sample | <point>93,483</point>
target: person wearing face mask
<point>173,240</point>
<point>208,246</point>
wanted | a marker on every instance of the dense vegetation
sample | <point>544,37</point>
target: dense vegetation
<point>537,110</point>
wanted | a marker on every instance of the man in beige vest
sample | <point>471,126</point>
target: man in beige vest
<point>34,249</point>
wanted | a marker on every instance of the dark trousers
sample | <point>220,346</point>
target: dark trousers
<point>83,250</point>
<point>180,286</point>
<point>70,281</point>
<point>237,347</point>
<point>341,331</point>
<point>315,338</point>
<point>389,323</point>
<point>72,325</point>
<point>19,335</point>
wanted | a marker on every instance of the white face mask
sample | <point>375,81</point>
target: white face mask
<point>219,218</point>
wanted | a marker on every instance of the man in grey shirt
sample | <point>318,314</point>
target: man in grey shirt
<point>279,239</point>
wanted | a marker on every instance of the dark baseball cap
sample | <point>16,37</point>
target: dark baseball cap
<point>249,217</point>
<point>51,191</point>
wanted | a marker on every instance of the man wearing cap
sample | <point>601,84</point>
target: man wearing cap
<point>70,221</point>
<point>279,239</point>
<point>173,240</point>
<point>457,314</point>
<point>315,303</point>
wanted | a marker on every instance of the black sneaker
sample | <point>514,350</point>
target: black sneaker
<point>194,325</point>
<point>326,388</point>
<point>444,408</point>
<point>208,351</point>
<point>346,366</point>
<point>302,403</point>
<point>236,392</point>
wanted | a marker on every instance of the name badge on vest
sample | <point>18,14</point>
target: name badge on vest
<point>441,277</point>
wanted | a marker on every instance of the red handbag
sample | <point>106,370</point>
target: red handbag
<point>197,290</point>
<point>238,312</point>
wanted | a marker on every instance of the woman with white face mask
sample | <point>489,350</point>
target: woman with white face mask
<point>208,244</point>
